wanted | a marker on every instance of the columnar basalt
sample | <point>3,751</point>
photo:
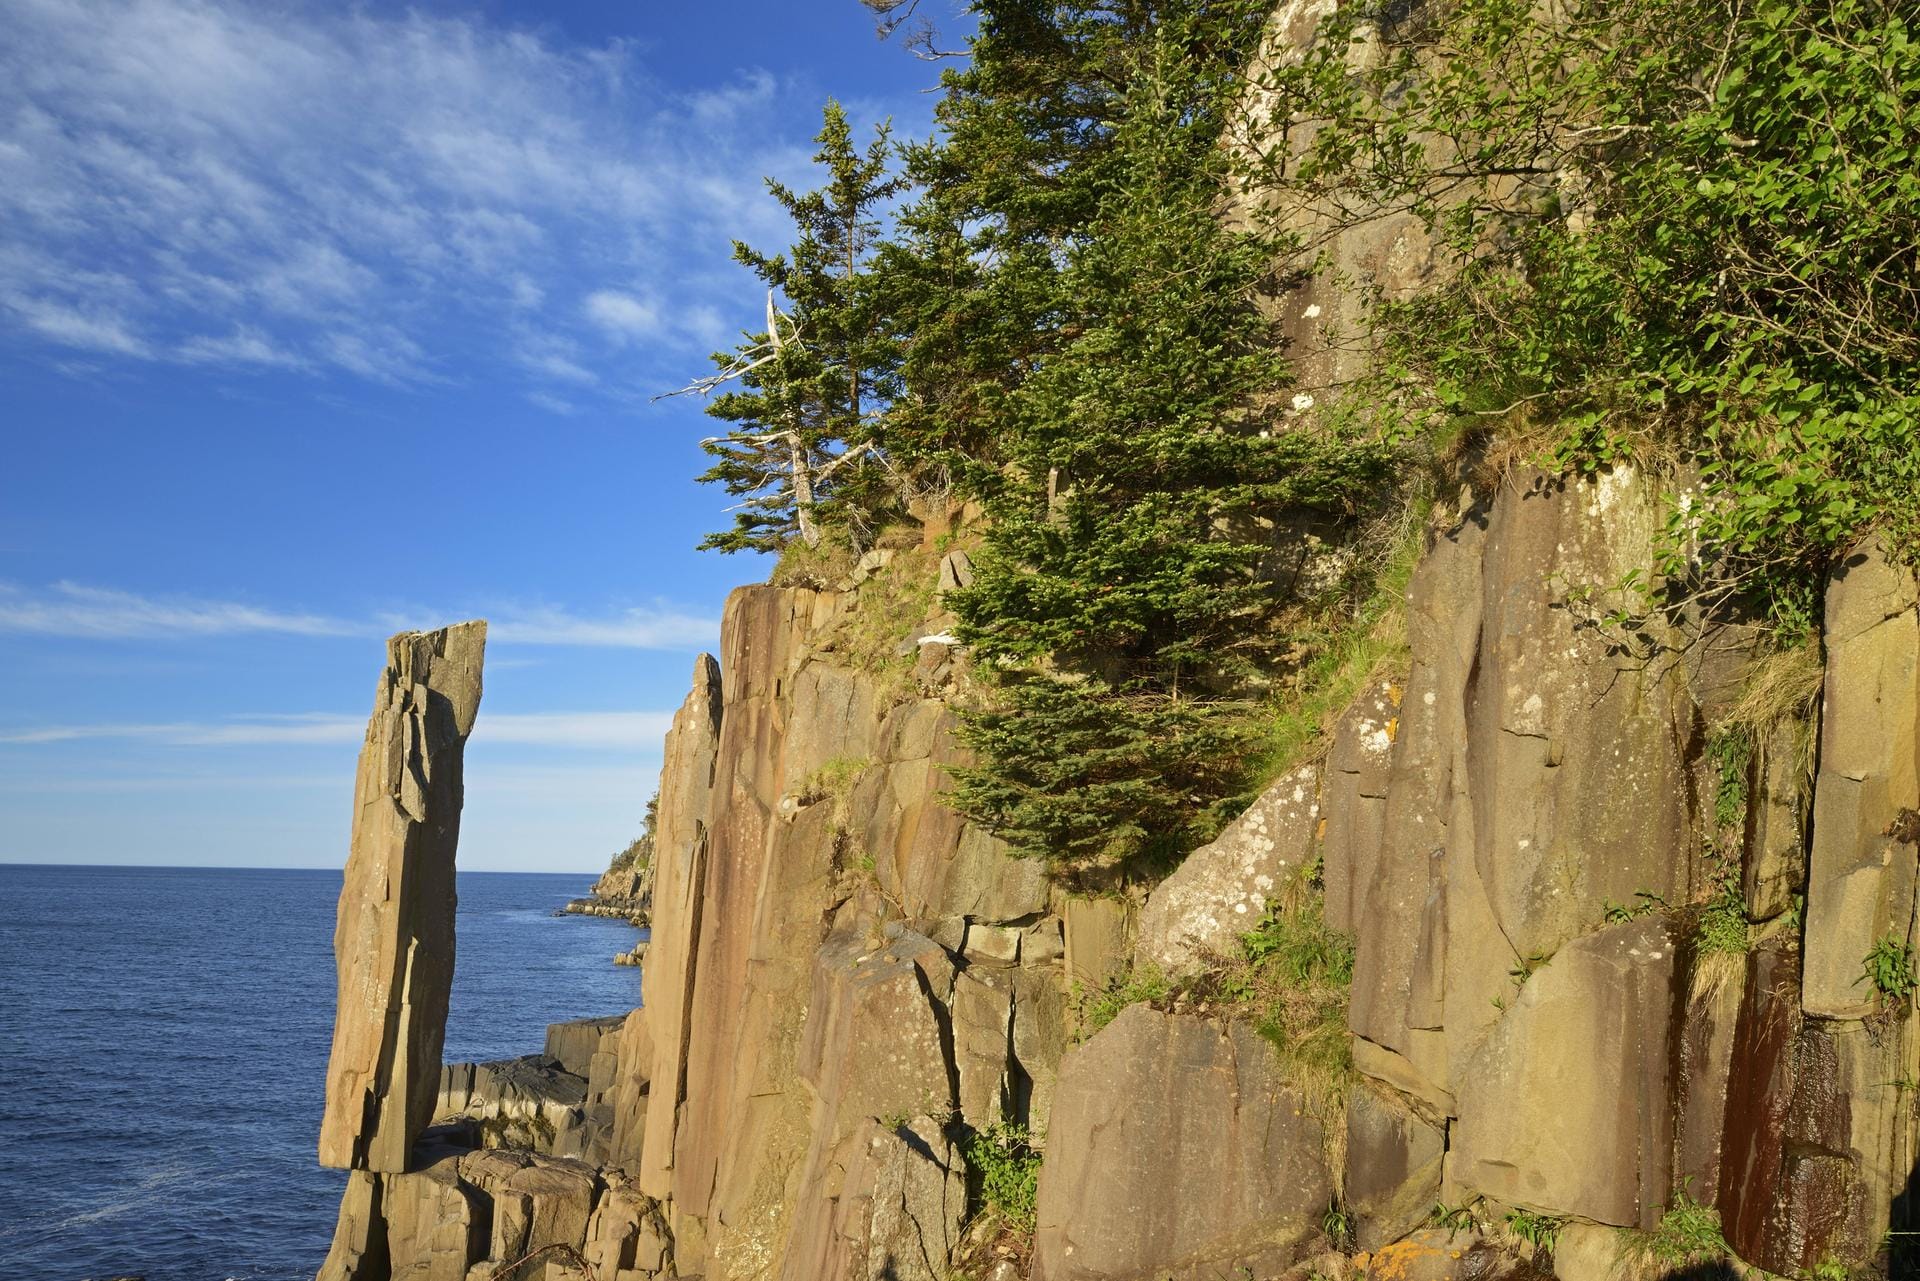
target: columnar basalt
<point>393,943</point>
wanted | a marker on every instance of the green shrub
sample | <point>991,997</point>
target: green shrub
<point>1002,1157</point>
<point>1722,927</point>
<point>1730,749</point>
<point>1132,987</point>
<point>1888,968</point>
<point>1538,1230</point>
<point>1688,1233</point>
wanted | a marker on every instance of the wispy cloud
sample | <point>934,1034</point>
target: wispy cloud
<point>72,609</point>
<point>100,613</point>
<point>265,181</point>
<point>627,629</point>
<point>630,731</point>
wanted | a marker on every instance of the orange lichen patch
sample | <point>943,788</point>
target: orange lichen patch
<point>1393,1262</point>
<point>1393,728</point>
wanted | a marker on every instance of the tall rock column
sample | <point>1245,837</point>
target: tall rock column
<point>393,941</point>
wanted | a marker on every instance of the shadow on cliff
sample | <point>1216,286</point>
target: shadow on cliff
<point>1903,1237</point>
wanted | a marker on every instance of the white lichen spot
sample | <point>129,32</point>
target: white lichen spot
<point>1241,908</point>
<point>1302,402</point>
<point>1533,705</point>
<point>1427,698</point>
<point>1312,312</point>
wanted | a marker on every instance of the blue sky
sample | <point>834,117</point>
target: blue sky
<point>318,321</point>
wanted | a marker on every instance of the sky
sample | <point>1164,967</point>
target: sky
<point>319,321</point>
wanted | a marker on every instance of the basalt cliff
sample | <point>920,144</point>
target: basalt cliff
<point>1612,1012</point>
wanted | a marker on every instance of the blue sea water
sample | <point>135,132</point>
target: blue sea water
<point>163,1049</point>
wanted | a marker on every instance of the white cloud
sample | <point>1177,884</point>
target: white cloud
<point>245,346</point>
<point>658,628</point>
<point>631,731</point>
<point>71,609</point>
<point>102,613</point>
<point>266,181</point>
<point>622,317</point>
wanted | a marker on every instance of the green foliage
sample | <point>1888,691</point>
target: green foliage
<point>1454,1218</point>
<point>1295,974</point>
<point>797,450</point>
<point>1337,1224</point>
<point>1645,904</point>
<point>1538,1230</point>
<point>1118,599</point>
<point>1678,228</point>
<point>1688,1233</point>
<point>1100,1007</point>
<point>1888,969</point>
<point>1722,927</point>
<point>639,851</point>
<point>1002,1157</point>
<point>1731,752</point>
<point>1828,1268</point>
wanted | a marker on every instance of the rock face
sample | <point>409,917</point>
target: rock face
<point>1860,886</point>
<point>1177,1150</point>
<point>1564,1107</point>
<point>1197,915</point>
<point>394,941</point>
<point>794,990</point>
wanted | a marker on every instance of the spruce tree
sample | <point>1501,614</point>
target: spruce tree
<point>803,446</point>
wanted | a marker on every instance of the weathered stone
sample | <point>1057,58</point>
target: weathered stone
<point>393,943</point>
<point>1819,1132</point>
<point>1177,1150</point>
<point>1196,916</point>
<point>993,945</point>
<point>1537,775</point>
<point>573,1044</point>
<point>1589,1252</point>
<point>1699,1086</point>
<point>1039,1039</point>
<point>529,1103</point>
<point>956,571</point>
<point>680,842</point>
<point>1096,940</point>
<point>1439,1254</point>
<point>630,1093</point>
<point>1564,1109</point>
<point>1043,942</point>
<point>1774,871</point>
<point>896,1211</point>
<point>1353,799</point>
<point>983,1045</point>
<point>1393,1166</point>
<point>1860,885</point>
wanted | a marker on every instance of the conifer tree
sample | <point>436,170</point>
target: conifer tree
<point>803,447</point>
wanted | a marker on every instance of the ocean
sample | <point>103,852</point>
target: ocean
<point>163,1049</point>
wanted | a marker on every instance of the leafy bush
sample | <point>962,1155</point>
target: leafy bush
<point>1002,1157</point>
<point>1540,1231</point>
<point>1722,927</point>
<point>1675,229</point>
<point>1888,968</point>
<point>1133,987</point>
<point>1731,752</point>
<point>1688,1233</point>
<point>1296,972</point>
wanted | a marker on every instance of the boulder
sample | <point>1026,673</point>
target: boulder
<point>1860,883</point>
<point>393,943</point>
<point>1177,1149</point>
<point>1564,1109</point>
<point>1196,916</point>
<point>1440,1254</point>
